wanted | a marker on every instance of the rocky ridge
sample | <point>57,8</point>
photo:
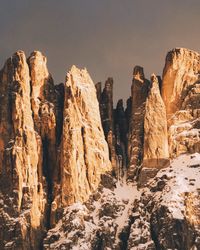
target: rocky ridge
<point>77,173</point>
<point>46,163</point>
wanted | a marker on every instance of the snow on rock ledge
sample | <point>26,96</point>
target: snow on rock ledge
<point>170,205</point>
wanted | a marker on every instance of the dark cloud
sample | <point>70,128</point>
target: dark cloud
<point>109,37</point>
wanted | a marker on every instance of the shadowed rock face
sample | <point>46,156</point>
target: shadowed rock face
<point>115,126</point>
<point>139,90</point>
<point>107,117</point>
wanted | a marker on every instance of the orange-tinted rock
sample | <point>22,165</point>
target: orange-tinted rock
<point>47,107</point>
<point>180,73</point>
<point>84,151</point>
<point>21,183</point>
<point>156,153</point>
<point>181,93</point>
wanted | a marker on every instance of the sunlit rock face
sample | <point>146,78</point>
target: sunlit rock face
<point>181,92</point>
<point>22,187</point>
<point>52,147</point>
<point>155,129</point>
<point>156,153</point>
<point>180,73</point>
<point>74,169</point>
<point>47,108</point>
<point>139,90</point>
<point>84,151</point>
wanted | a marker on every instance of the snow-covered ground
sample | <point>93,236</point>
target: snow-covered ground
<point>108,212</point>
<point>184,176</point>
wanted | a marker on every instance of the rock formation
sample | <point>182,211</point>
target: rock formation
<point>66,154</point>
<point>156,153</point>
<point>139,90</point>
<point>181,92</point>
<point>155,129</point>
<point>114,123</point>
<point>106,110</point>
<point>121,132</point>
<point>23,193</point>
<point>84,152</point>
<point>180,73</point>
<point>41,168</point>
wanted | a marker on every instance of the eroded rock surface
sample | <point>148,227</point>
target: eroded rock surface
<point>139,90</point>
<point>115,126</point>
<point>84,151</point>
<point>156,153</point>
<point>22,186</point>
<point>102,222</point>
<point>56,178</point>
<point>37,176</point>
<point>167,214</point>
<point>181,92</point>
<point>180,73</point>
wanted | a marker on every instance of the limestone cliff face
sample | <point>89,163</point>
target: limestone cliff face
<point>21,183</point>
<point>47,116</point>
<point>156,153</point>
<point>52,147</point>
<point>84,151</point>
<point>139,90</point>
<point>181,92</point>
<point>56,143</point>
<point>155,129</point>
<point>180,72</point>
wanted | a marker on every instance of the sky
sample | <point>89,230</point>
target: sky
<point>108,37</point>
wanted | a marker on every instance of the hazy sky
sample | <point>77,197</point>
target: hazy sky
<point>108,37</point>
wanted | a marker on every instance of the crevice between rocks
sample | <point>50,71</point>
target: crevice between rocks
<point>47,173</point>
<point>84,154</point>
<point>125,234</point>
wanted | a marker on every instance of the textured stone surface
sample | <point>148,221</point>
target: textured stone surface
<point>52,147</point>
<point>121,135</point>
<point>115,127</point>
<point>21,182</point>
<point>107,118</point>
<point>181,93</point>
<point>180,72</point>
<point>139,90</point>
<point>47,106</point>
<point>53,153</point>
<point>167,213</point>
<point>156,153</point>
<point>84,151</point>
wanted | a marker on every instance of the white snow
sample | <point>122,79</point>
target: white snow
<point>183,179</point>
<point>128,193</point>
